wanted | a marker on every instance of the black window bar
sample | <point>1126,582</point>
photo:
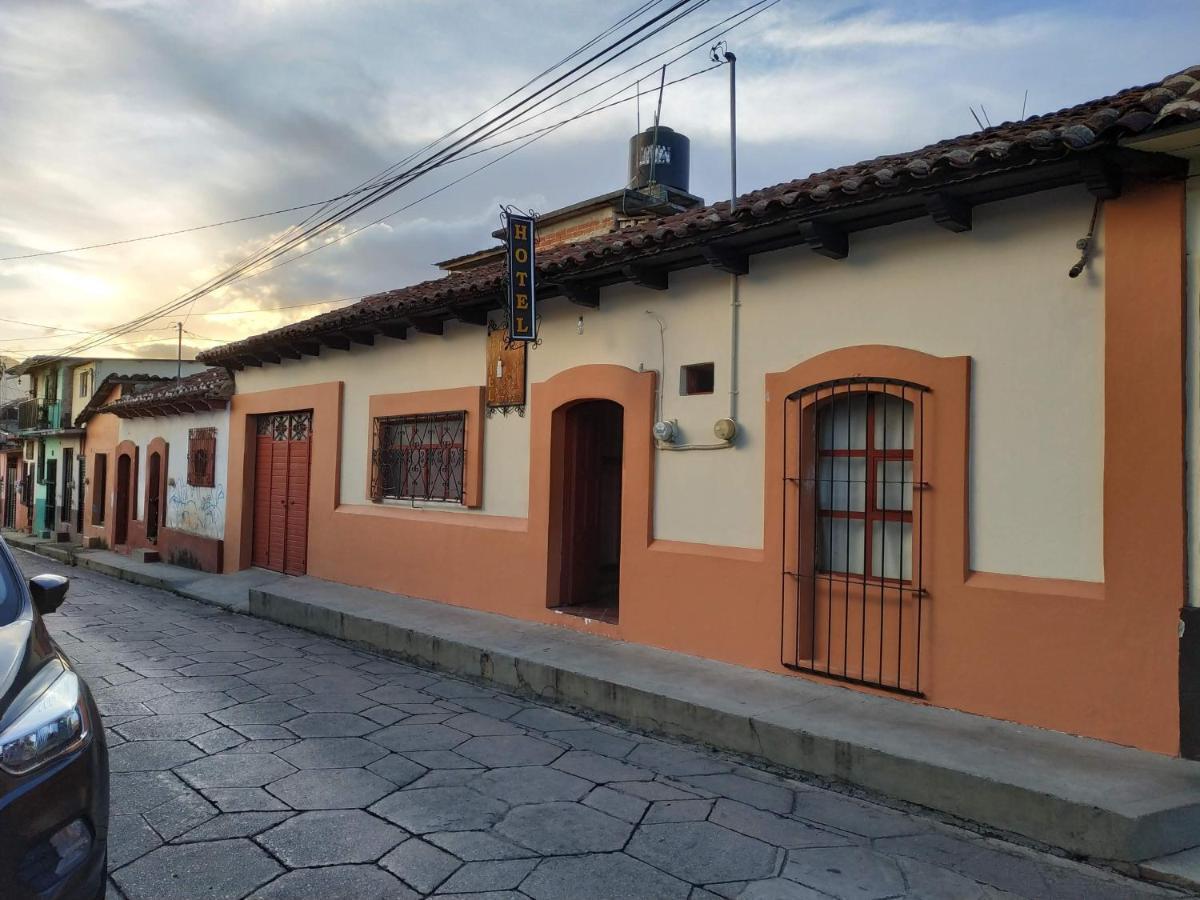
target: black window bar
<point>853,556</point>
<point>419,457</point>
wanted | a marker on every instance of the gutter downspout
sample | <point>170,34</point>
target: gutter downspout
<point>735,303</point>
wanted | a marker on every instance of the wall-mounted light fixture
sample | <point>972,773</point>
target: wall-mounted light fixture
<point>579,325</point>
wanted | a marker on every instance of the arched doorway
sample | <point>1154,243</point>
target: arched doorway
<point>153,496</point>
<point>121,500</point>
<point>589,460</point>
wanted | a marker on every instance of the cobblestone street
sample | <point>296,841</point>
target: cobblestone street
<point>255,760</point>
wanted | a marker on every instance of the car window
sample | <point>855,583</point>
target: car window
<point>10,595</point>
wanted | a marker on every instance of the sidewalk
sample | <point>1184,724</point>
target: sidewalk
<point>1087,797</point>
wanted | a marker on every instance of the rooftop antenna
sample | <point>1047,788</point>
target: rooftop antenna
<point>662,83</point>
<point>975,117</point>
<point>983,110</point>
<point>1024,103</point>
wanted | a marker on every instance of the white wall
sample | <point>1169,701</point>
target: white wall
<point>999,294</point>
<point>198,510</point>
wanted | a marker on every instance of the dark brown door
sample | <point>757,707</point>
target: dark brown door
<point>121,500</point>
<point>281,468</point>
<point>153,495</point>
<point>80,481</point>
<point>10,497</point>
<point>68,485</point>
<point>591,513</point>
<point>100,489</point>
<point>51,481</point>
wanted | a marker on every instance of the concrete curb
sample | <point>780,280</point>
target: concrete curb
<point>1015,779</point>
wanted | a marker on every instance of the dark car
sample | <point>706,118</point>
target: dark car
<point>53,759</point>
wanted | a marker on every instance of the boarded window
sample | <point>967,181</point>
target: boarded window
<point>419,457</point>
<point>202,457</point>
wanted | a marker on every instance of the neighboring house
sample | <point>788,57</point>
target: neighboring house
<point>958,471</point>
<point>55,461</point>
<point>13,389</point>
<point>157,457</point>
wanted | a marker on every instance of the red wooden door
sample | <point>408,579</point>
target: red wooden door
<point>281,467</point>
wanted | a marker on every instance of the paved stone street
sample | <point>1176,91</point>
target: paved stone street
<point>254,760</point>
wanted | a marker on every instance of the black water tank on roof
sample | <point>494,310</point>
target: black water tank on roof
<point>659,156</point>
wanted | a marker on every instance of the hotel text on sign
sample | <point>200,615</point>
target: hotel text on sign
<point>522,305</point>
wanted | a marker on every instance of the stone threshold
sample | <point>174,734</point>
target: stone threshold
<point>1092,799</point>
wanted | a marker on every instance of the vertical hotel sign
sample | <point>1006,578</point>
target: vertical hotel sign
<point>522,296</point>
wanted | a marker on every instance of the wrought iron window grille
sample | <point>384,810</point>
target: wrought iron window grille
<point>419,457</point>
<point>853,499</point>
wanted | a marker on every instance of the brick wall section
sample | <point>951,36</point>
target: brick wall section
<point>570,230</point>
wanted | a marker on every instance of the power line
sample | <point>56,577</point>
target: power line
<point>754,10</point>
<point>390,185</point>
<point>361,188</point>
<point>763,5</point>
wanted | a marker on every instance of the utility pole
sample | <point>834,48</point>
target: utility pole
<point>179,352</point>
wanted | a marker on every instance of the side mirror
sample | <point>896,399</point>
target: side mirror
<point>48,592</point>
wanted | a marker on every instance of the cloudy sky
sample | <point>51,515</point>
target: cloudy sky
<point>121,118</point>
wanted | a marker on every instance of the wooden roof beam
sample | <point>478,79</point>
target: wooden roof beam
<point>580,293</point>
<point>826,239</point>
<point>726,260</point>
<point>396,330</point>
<point>950,212</point>
<point>364,336</point>
<point>428,325</point>
<point>471,315</point>
<point>336,341</point>
<point>1101,177</point>
<point>646,276</point>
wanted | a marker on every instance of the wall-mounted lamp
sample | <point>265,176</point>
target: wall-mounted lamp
<point>579,325</point>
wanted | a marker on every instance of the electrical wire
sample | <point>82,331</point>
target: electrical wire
<point>394,183</point>
<point>389,185</point>
<point>360,188</point>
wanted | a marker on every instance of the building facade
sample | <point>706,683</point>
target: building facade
<point>158,463</point>
<point>882,426</point>
<point>56,474</point>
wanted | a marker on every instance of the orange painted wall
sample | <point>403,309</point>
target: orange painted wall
<point>103,430</point>
<point>1088,658</point>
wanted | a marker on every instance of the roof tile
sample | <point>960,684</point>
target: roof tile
<point>1081,128</point>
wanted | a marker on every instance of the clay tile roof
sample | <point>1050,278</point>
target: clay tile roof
<point>207,388</point>
<point>1085,128</point>
<point>100,395</point>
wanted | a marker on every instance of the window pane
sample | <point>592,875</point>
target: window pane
<point>841,547</point>
<point>843,423</point>
<point>842,483</point>
<point>893,423</point>
<point>891,550</point>
<point>893,484</point>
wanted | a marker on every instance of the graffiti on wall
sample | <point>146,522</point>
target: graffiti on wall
<point>200,510</point>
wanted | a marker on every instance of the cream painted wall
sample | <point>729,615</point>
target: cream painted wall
<point>198,510</point>
<point>999,294</point>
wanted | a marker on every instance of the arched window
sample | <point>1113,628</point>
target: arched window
<point>865,485</point>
